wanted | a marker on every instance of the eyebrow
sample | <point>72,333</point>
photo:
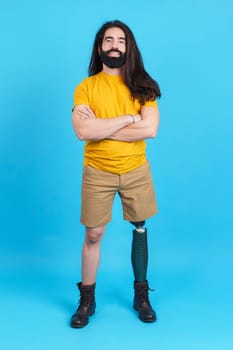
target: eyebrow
<point>111,37</point>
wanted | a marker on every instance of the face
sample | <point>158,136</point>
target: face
<point>113,49</point>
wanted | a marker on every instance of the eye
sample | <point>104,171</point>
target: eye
<point>121,40</point>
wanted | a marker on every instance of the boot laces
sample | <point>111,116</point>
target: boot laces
<point>86,298</point>
<point>143,296</point>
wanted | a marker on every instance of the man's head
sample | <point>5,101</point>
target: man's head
<point>115,47</point>
<point>112,51</point>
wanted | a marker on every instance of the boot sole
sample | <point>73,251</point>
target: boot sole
<point>148,321</point>
<point>145,321</point>
<point>83,325</point>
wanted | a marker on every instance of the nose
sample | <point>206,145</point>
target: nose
<point>115,44</point>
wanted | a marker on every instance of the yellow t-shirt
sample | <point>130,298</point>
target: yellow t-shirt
<point>109,97</point>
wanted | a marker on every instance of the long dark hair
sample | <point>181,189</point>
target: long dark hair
<point>139,82</point>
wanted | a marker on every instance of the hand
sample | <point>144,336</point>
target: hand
<point>84,112</point>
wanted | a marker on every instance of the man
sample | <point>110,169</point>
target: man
<point>115,110</point>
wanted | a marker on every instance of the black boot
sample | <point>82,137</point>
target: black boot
<point>142,303</point>
<point>86,306</point>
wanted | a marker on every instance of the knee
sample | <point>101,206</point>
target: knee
<point>94,235</point>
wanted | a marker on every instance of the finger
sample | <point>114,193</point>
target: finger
<point>89,111</point>
<point>85,110</point>
<point>83,116</point>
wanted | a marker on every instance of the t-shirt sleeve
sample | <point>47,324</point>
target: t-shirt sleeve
<point>81,94</point>
<point>150,103</point>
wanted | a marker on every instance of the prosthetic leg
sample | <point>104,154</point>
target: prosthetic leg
<point>139,259</point>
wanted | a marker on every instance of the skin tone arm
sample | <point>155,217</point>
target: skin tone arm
<point>88,127</point>
<point>123,128</point>
<point>146,128</point>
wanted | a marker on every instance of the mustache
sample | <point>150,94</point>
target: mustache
<point>113,50</point>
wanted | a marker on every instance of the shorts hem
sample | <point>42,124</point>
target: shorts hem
<point>140,218</point>
<point>95,225</point>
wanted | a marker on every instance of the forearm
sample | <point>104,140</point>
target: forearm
<point>133,132</point>
<point>97,128</point>
<point>146,128</point>
<point>122,128</point>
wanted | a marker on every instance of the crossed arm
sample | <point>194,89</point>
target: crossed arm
<point>122,128</point>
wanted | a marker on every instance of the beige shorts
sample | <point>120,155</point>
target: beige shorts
<point>134,188</point>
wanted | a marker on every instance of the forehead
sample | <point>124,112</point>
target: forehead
<point>114,32</point>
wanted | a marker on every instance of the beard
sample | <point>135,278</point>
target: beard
<point>112,62</point>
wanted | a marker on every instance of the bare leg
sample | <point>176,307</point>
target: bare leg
<point>91,254</point>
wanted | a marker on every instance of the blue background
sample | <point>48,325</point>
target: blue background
<point>45,52</point>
